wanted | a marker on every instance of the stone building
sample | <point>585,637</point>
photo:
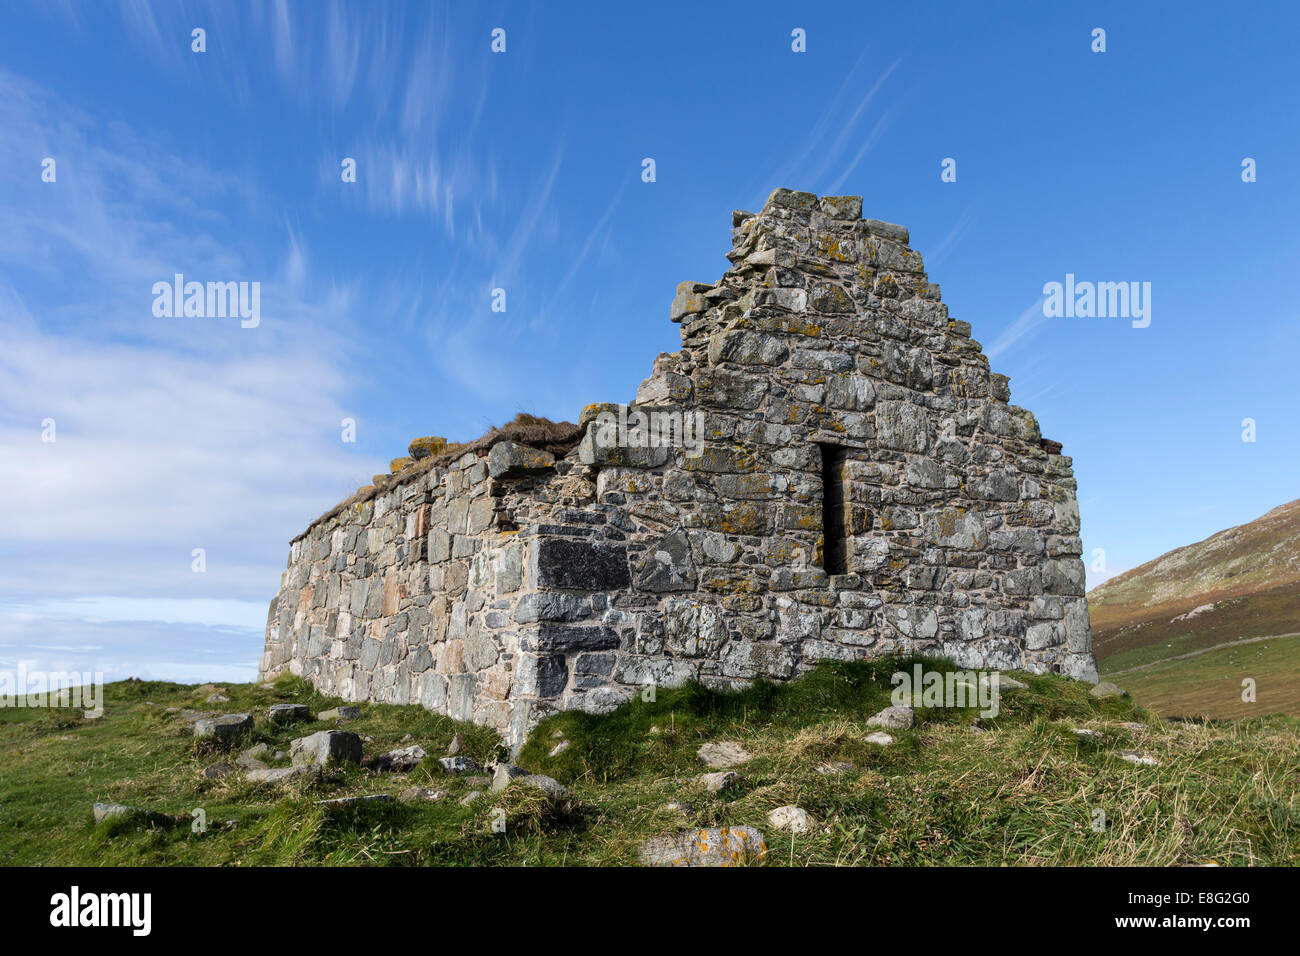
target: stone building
<point>858,485</point>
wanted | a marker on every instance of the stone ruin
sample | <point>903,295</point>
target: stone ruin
<point>860,487</point>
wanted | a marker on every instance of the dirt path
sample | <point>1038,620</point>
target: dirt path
<point>1204,650</point>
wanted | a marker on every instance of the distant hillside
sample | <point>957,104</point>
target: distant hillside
<point>1240,583</point>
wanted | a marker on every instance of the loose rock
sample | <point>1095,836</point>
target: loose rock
<point>717,782</point>
<point>327,745</point>
<point>794,819</point>
<point>458,764</point>
<point>288,713</point>
<point>408,758</point>
<point>1141,759</point>
<point>340,713</point>
<point>716,846</point>
<point>224,729</point>
<point>113,811</point>
<point>894,718</point>
<point>880,738</point>
<point>723,753</point>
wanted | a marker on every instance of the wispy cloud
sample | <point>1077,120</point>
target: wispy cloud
<point>1025,324</point>
<point>825,145</point>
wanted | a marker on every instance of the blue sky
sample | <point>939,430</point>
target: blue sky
<point>522,170</point>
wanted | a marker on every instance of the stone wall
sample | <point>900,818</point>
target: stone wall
<point>833,387</point>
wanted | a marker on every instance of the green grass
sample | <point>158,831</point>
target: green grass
<point>1019,789</point>
<point>1210,684</point>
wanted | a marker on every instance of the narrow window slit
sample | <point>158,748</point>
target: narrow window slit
<point>834,542</point>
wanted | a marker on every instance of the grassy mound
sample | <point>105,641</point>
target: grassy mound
<point>1021,788</point>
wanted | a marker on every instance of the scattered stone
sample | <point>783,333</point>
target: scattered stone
<point>340,713</point>
<point>880,738</point>
<point>288,713</point>
<point>327,745</point>
<point>354,801</point>
<point>1141,759</point>
<point>112,811</point>
<point>458,764</point>
<point>559,748</point>
<point>683,807</point>
<point>1106,689</point>
<point>723,753</point>
<point>407,738</point>
<point>1135,726</point>
<point>717,782</point>
<point>422,793</point>
<point>278,775</point>
<point>224,729</point>
<point>794,819</point>
<point>217,771</point>
<point>716,846</point>
<point>470,797</point>
<point>216,699</point>
<point>251,759</point>
<point>1089,734</point>
<point>477,780</point>
<point>549,785</point>
<point>453,748</point>
<point>400,761</point>
<point>191,716</point>
<point>503,774</point>
<point>279,755</point>
<point>837,766</point>
<point>899,717</point>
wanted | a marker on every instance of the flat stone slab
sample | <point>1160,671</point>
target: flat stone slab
<point>225,728</point>
<point>354,801</point>
<point>715,846</point>
<point>279,775</point>
<point>326,745</point>
<point>879,738</point>
<point>1106,689</point>
<point>723,753</point>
